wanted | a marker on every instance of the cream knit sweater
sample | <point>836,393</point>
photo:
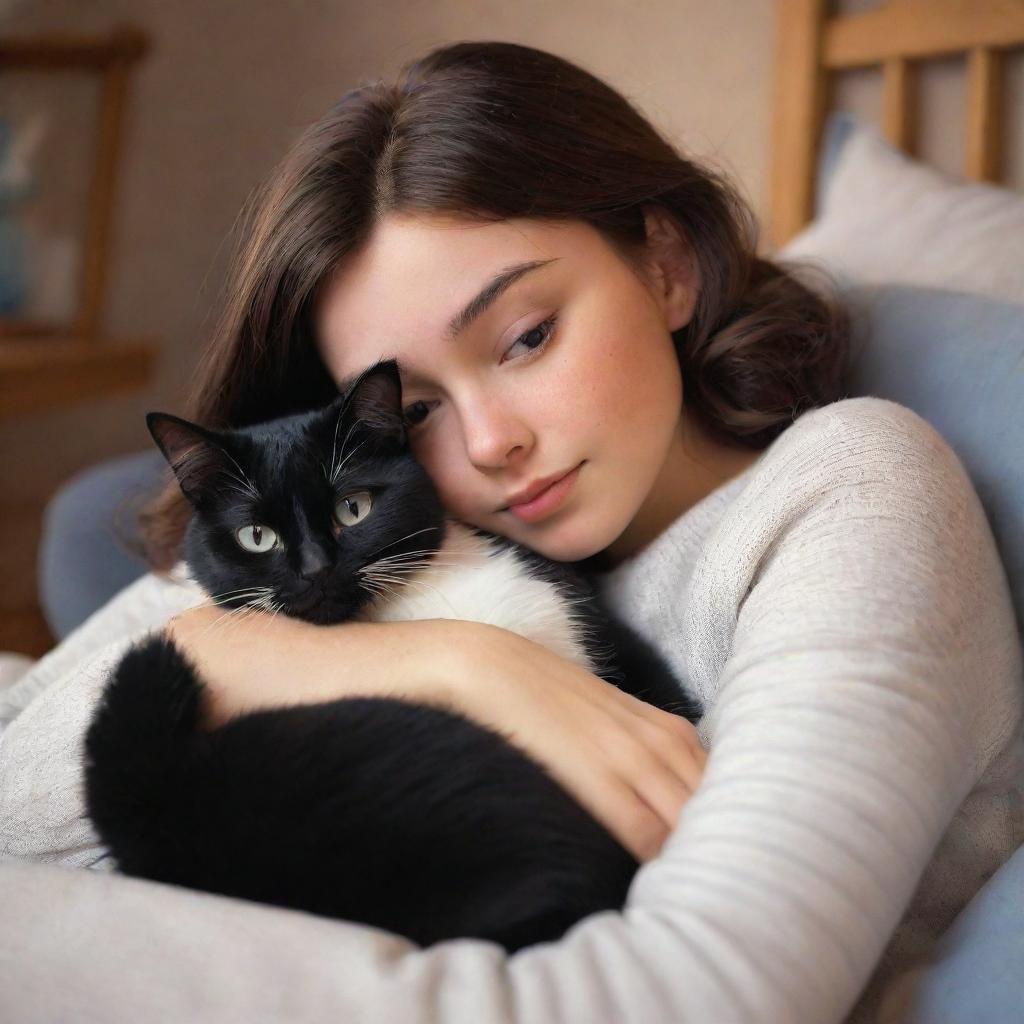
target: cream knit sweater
<point>840,609</point>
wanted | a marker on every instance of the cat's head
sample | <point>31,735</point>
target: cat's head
<point>314,514</point>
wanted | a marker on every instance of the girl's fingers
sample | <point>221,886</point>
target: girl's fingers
<point>618,807</point>
<point>637,825</point>
<point>675,753</point>
<point>663,791</point>
<point>665,721</point>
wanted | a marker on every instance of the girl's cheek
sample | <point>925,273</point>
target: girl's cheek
<point>441,467</point>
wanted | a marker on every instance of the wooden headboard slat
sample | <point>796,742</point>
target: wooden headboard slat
<point>921,28</point>
<point>982,150</point>
<point>800,86</point>
<point>898,105</point>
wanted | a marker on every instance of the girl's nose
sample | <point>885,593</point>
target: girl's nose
<point>495,436</point>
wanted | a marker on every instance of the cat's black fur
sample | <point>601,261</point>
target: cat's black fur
<point>385,811</point>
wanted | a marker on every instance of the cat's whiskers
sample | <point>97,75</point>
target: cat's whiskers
<point>408,536</point>
<point>383,588</point>
<point>221,618</point>
<point>215,604</point>
<point>413,568</point>
<point>240,488</point>
<point>408,562</point>
<point>334,445</point>
<point>252,599</point>
<point>385,578</point>
<point>403,567</point>
<point>407,573</point>
<point>239,595</point>
<point>242,590</point>
<point>341,465</point>
<point>420,585</point>
<point>242,479</point>
<point>373,588</point>
<point>425,553</point>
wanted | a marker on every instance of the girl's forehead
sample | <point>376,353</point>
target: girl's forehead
<point>418,272</point>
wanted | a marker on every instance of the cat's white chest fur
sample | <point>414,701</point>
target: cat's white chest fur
<point>476,580</point>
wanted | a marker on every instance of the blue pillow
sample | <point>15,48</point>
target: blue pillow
<point>978,975</point>
<point>839,126</point>
<point>958,361</point>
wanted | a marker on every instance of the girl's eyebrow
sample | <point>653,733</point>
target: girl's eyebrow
<point>490,291</point>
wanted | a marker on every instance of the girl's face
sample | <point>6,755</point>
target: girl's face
<point>530,352</point>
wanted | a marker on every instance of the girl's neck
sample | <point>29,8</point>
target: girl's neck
<point>696,465</point>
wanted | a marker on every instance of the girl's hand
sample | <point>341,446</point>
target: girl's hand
<point>630,764</point>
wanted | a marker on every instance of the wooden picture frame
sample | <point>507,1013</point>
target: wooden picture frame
<point>47,365</point>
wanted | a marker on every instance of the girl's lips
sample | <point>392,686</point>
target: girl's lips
<point>548,500</point>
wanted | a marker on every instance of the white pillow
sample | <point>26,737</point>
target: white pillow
<point>885,218</point>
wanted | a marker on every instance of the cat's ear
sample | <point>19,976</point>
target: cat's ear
<point>195,454</point>
<point>375,398</point>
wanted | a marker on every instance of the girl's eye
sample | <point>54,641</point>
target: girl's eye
<point>353,508</point>
<point>415,413</point>
<point>532,340</point>
<point>256,538</point>
<point>537,337</point>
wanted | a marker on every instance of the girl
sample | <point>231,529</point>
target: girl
<point>596,364</point>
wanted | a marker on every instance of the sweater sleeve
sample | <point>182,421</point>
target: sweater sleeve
<point>44,717</point>
<point>874,676</point>
<point>858,705</point>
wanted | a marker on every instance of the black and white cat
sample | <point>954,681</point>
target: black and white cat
<point>397,814</point>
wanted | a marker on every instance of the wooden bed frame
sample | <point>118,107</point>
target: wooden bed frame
<point>812,44</point>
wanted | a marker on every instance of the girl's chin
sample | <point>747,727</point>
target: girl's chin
<point>572,538</point>
<point>569,543</point>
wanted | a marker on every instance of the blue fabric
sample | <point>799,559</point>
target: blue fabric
<point>82,561</point>
<point>839,126</point>
<point>958,361</point>
<point>978,977</point>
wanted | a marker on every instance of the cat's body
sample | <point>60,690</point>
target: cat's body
<point>385,811</point>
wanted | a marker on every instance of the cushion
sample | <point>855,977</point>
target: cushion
<point>883,217</point>
<point>957,360</point>
<point>82,561</point>
<point>979,970</point>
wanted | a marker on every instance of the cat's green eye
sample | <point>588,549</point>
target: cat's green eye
<point>256,538</point>
<point>353,508</point>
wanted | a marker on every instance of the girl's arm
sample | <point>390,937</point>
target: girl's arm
<point>630,764</point>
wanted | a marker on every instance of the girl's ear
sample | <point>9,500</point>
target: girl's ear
<point>671,267</point>
<point>195,454</point>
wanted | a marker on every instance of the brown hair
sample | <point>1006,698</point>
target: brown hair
<point>495,130</point>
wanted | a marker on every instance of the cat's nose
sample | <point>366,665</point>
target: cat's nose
<point>312,561</point>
